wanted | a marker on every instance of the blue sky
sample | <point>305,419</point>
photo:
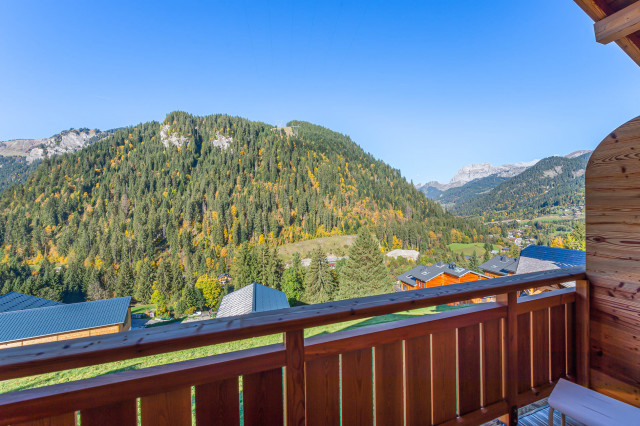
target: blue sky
<point>426,86</point>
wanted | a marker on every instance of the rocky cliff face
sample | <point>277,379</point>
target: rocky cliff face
<point>36,149</point>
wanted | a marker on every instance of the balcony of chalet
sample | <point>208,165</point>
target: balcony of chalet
<point>463,366</point>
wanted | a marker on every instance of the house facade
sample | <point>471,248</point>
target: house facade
<point>437,275</point>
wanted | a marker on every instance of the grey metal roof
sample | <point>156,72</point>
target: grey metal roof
<point>500,265</point>
<point>39,322</point>
<point>426,273</point>
<point>541,258</point>
<point>252,298</point>
<point>13,301</point>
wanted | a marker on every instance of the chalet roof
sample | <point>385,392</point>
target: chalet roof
<point>48,320</point>
<point>541,258</point>
<point>252,298</point>
<point>13,301</point>
<point>427,273</point>
<point>617,21</point>
<point>501,265</point>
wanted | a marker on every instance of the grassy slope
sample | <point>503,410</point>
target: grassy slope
<point>468,249</point>
<point>132,364</point>
<point>337,245</point>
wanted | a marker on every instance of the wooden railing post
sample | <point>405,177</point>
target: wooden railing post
<point>582,332</point>
<point>294,384</point>
<point>510,337</point>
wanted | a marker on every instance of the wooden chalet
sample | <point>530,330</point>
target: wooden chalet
<point>437,275</point>
<point>464,366</point>
<point>500,266</point>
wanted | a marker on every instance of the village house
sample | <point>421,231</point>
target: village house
<point>27,320</point>
<point>500,266</point>
<point>542,258</point>
<point>437,275</point>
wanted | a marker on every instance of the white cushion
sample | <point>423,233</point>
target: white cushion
<point>590,407</point>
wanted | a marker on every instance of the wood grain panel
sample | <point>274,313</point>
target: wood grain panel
<point>492,362</point>
<point>357,387</point>
<point>417,377</point>
<point>388,372</point>
<point>68,419</point>
<point>262,398</point>
<point>557,326</point>
<point>468,369</point>
<point>524,352</point>
<point>443,367</point>
<point>167,408</point>
<point>294,373</point>
<point>613,237</point>
<point>218,403</point>
<point>123,413</point>
<point>322,391</point>
<point>571,340</point>
<point>540,346</point>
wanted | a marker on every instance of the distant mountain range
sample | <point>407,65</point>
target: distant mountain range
<point>66,141</point>
<point>529,188</point>
<point>19,157</point>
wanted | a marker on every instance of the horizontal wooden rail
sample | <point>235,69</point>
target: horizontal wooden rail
<point>128,385</point>
<point>20,406</point>
<point>63,355</point>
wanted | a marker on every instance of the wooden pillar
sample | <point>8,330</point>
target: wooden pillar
<point>294,383</point>
<point>582,332</point>
<point>510,339</point>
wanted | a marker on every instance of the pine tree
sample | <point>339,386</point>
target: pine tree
<point>320,282</point>
<point>244,269</point>
<point>365,272</point>
<point>293,281</point>
<point>473,261</point>
<point>125,282</point>
<point>144,282</point>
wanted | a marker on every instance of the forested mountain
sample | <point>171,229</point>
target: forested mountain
<point>156,206</point>
<point>469,190</point>
<point>14,169</point>
<point>552,183</point>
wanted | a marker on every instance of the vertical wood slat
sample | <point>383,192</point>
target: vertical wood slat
<point>262,397</point>
<point>491,362</point>
<point>513,360</point>
<point>388,367</point>
<point>322,394</point>
<point>469,369</point>
<point>558,350</point>
<point>582,318</point>
<point>357,387</point>
<point>443,349</point>
<point>571,340</point>
<point>218,403</point>
<point>167,408</point>
<point>524,352</point>
<point>123,413</point>
<point>417,363</point>
<point>67,419</point>
<point>540,346</point>
<point>294,371</point>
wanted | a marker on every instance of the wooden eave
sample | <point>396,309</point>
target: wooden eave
<point>624,11</point>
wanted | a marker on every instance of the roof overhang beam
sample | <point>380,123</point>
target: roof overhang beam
<point>618,25</point>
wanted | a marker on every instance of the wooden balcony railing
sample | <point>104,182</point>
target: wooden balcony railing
<point>464,366</point>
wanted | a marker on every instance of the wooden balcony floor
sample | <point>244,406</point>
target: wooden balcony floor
<point>540,417</point>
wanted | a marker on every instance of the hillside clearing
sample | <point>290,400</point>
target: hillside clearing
<point>337,245</point>
<point>468,249</point>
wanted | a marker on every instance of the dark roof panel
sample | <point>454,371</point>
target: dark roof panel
<point>38,322</point>
<point>13,301</point>
<point>541,258</point>
<point>501,265</point>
